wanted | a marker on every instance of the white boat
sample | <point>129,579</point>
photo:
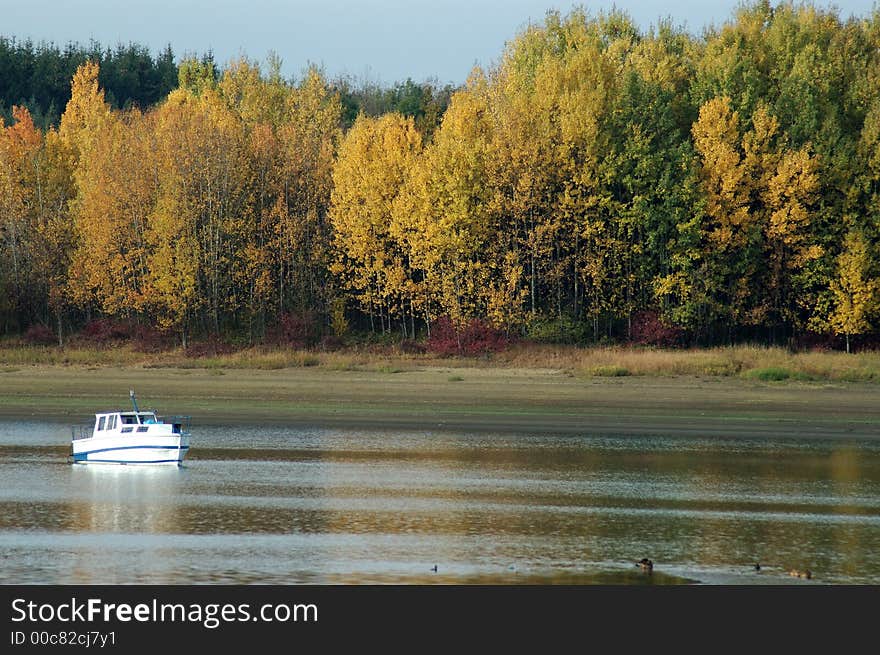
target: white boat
<point>132,437</point>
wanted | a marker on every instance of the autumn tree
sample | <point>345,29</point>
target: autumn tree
<point>443,215</point>
<point>35,231</point>
<point>309,139</point>
<point>856,289</point>
<point>201,217</point>
<point>373,162</point>
<point>20,146</point>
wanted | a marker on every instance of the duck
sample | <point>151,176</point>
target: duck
<point>757,566</point>
<point>646,565</point>
<point>434,568</point>
<point>806,574</point>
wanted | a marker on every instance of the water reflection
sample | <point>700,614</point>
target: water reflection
<point>356,507</point>
<point>124,499</point>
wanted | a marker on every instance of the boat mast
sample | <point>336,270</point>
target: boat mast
<point>133,400</point>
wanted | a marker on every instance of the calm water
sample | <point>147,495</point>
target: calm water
<point>278,505</point>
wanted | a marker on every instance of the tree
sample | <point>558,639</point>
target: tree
<point>373,162</point>
<point>856,291</point>
<point>36,235</point>
<point>309,139</point>
<point>200,220</point>
<point>442,214</point>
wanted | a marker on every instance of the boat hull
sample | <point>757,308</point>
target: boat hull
<point>128,449</point>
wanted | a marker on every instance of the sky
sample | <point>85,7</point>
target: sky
<point>377,40</point>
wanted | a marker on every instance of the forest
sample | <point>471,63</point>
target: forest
<point>599,183</point>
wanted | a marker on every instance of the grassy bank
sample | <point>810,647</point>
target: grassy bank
<point>749,362</point>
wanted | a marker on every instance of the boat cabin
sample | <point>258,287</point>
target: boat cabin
<point>125,422</point>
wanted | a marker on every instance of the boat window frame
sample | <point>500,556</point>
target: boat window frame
<point>101,422</point>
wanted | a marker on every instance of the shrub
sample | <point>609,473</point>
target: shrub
<point>210,347</point>
<point>816,341</point>
<point>39,335</point>
<point>609,371</point>
<point>330,343</point>
<point>338,322</point>
<point>769,374</point>
<point>103,330</point>
<point>648,329</point>
<point>827,342</point>
<point>556,330</point>
<point>295,329</point>
<point>410,347</point>
<point>474,338</point>
<point>147,339</point>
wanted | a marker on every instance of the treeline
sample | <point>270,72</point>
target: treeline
<point>424,102</point>
<point>598,179</point>
<point>37,76</point>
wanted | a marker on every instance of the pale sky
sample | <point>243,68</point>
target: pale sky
<point>381,40</point>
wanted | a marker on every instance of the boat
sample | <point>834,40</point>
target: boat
<point>131,437</point>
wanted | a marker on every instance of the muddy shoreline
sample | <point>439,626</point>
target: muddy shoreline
<point>484,400</point>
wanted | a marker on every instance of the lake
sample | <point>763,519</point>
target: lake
<point>291,505</point>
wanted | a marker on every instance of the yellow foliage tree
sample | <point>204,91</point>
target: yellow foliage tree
<point>758,197</point>
<point>116,191</point>
<point>35,231</point>
<point>444,217</point>
<point>855,290</point>
<point>201,218</point>
<point>373,162</point>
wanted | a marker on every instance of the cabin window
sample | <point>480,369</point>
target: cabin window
<point>128,420</point>
<point>111,422</point>
<point>101,423</point>
<point>128,429</point>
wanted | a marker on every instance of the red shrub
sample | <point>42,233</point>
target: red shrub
<point>103,330</point>
<point>147,339</point>
<point>475,338</point>
<point>211,347</point>
<point>296,330</point>
<point>40,335</point>
<point>410,347</point>
<point>649,330</point>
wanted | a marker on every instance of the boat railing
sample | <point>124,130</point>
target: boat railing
<point>183,421</point>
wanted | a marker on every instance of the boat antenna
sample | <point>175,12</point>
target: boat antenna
<point>133,400</point>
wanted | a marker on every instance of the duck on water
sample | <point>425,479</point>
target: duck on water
<point>131,437</point>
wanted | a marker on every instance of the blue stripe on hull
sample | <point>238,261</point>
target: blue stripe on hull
<point>104,450</point>
<point>119,461</point>
<point>85,457</point>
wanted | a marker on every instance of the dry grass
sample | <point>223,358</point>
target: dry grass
<point>755,362</point>
<point>55,356</point>
<point>747,361</point>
